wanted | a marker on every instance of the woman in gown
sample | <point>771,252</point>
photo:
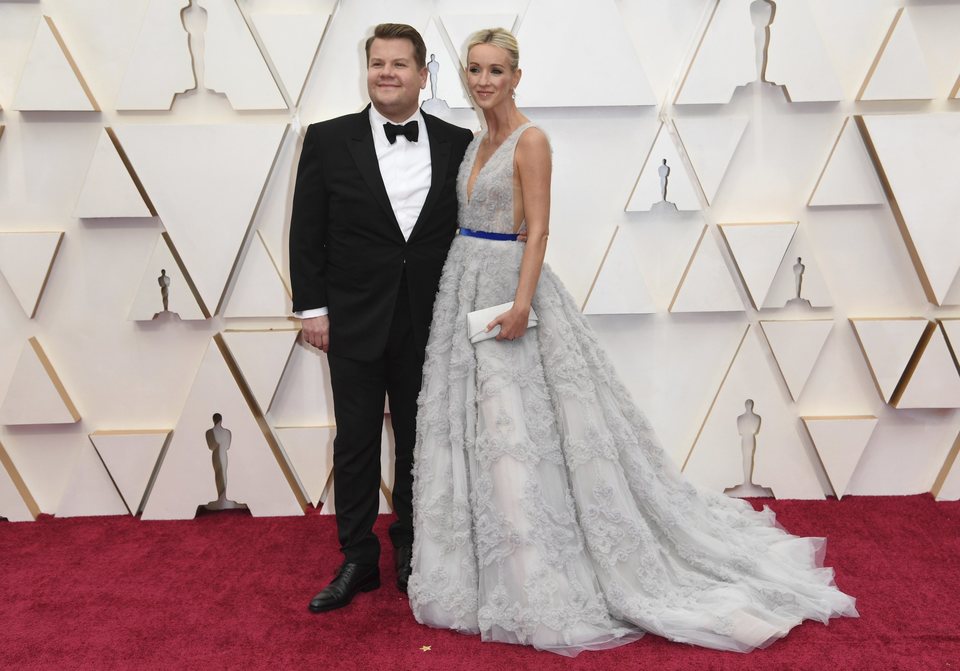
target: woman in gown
<point>545,511</point>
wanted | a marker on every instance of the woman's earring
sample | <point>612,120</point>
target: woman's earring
<point>513,93</point>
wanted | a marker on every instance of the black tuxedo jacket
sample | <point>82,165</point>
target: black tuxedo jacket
<point>346,249</point>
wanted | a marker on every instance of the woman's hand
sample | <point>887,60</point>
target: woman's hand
<point>513,323</point>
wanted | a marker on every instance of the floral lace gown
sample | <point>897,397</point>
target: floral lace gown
<point>545,511</point>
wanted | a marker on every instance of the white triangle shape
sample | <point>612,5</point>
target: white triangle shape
<point>148,303</point>
<point>947,485</point>
<point>205,182</point>
<point>840,441</point>
<point>888,346</point>
<point>25,262</point>
<point>813,286</point>
<point>310,450</point>
<point>935,382</point>
<point>35,394</point>
<point>460,27</point>
<point>899,71</point>
<point>130,458</point>
<point>161,65</point>
<point>259,290</point>
<point>90,491</point>
<point>724,60</point>
<point>796,346</point>
<point>710,143</point>
<point>186,477</point>
<point>449,87</point>
<point>680,189</point>
<point>706,285</point>
<point>920,154</point>
<point>50,80</point>
<point>620,287</point>
<point>291,42</point>
<point>16,502</point>
<point>798,58</point>
<point>848,177</point>
<point>758,250</point>
<point>109,190</point>
<point>261,357</point>
<point>233,64</point>
<point>781,462</point>
<point>610,73</point>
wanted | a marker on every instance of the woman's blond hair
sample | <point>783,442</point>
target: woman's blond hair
<point>498,37</point>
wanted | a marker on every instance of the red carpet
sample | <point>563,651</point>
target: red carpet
<point>230,591</point>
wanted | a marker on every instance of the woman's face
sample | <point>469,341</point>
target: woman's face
<point>489,77</point>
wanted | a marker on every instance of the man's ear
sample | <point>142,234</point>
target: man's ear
<point>424,76</point>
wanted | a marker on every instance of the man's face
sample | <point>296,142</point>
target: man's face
<point>393,79</point>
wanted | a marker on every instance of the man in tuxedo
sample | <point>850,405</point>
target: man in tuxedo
<point>374,212</point>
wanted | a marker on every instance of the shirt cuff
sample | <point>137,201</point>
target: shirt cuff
<point>309,314</point>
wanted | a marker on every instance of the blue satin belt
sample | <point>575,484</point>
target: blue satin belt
<point>486,235</point>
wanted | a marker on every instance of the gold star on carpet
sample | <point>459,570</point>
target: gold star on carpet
<point>424,648</point>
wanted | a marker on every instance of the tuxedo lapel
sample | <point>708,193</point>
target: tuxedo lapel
<point>365,156</point>
<point>439,161</point>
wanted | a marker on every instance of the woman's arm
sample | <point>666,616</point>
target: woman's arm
<point>533,165</point>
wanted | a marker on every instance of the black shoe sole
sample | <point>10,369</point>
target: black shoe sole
<point>365,587</point>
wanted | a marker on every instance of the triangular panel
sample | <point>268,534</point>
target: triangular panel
<point>888,346</point>
<point>161,65</point>
<point>796,346</point>
<point>25,262</point>
<point>706,285</point>
<point>840,441</point>
<point>799,282</point>
<point>899,70</point>
<point>798,59</point>
<point>90,491</point>
<point>920,159</point>
<point>310,450</point>
<point>16,502</point>
<point>460,27</point>
<point>655,175</point>
<point>258,290</point>
<point>710,143</point>
<point>848,177</point>
<point>444,69</point>
<point>610,73</point>
<point>934,380</point>
<point>109,189</point>
<point>233,64</point>
<point>751,412</point>
<point>254,476</point>
<point>163,272</point>
<point>758,250</point>
<point>291,42</point>
<point>725,57</point>
<point>261,357</point>
<point>619,287</point>
<point>51,80</point>
<point>130,458</point>
<point>205,182</point>
<point>36,395</point>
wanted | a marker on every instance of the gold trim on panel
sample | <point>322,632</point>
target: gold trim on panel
<point>129,166</point>
<point>776,359</point>
<point>863,350</point>
<point>186,275</point>
<point>600,268</point>
<point>733,255</point>
<point>46,277</point>
<point>713,401</point>
<point>7,463</point>
<point>823,170</point>
<point>55,379</point>
<point>895,209</point>
<point>73,63</point>
<point>953,348</point>
<point>643,166</point>
<point>879,56</point>
<point>696,52</point>
<point>683,278</point>
<point>911,368</point>
<point>261,420</point>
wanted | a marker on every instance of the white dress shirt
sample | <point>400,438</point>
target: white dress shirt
<point>406,171</point>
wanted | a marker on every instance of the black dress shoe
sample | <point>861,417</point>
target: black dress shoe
<point>351,579</point>
<point>403,558</point>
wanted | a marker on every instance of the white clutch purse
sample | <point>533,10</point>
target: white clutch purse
<point>478,319</point>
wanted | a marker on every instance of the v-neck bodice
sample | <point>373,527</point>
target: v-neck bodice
<point>489,206</point>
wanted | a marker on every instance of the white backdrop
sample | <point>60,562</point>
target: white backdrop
<point>601,77</point>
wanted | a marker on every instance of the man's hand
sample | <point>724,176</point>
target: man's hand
<point>316,331</point>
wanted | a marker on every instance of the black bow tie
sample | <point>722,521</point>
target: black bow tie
<point>410,130</point>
